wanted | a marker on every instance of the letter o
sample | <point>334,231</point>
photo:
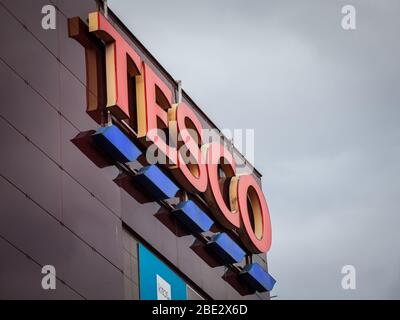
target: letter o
<point>257,239</point>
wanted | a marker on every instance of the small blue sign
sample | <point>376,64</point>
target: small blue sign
<point>156,280</point>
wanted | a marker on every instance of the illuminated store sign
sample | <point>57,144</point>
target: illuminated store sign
<point>148,121</point>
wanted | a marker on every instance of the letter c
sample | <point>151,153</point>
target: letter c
<point>219,193</point>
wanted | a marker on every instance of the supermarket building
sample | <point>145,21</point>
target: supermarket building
<point>81,106</point>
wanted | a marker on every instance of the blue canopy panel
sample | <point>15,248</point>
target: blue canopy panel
<point>116,144</point>
<point>156,183</point>
<point>257,277</point>
<point>226,249</point>
<point>192,217</point>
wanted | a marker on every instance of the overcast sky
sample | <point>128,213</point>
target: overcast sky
<point>324,103</point>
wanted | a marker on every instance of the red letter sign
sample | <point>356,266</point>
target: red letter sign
<point>256,225</point>
<point>121,61</point>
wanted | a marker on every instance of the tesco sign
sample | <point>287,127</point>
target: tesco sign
<point>173,134</point>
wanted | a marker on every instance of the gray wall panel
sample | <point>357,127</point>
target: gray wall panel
<point>30,169</point>
<point>21,278</point>
<point>29,58</point>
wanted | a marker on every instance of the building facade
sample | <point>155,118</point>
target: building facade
<point>76,196</point>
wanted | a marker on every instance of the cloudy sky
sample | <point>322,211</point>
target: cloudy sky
<point>324,103</point>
